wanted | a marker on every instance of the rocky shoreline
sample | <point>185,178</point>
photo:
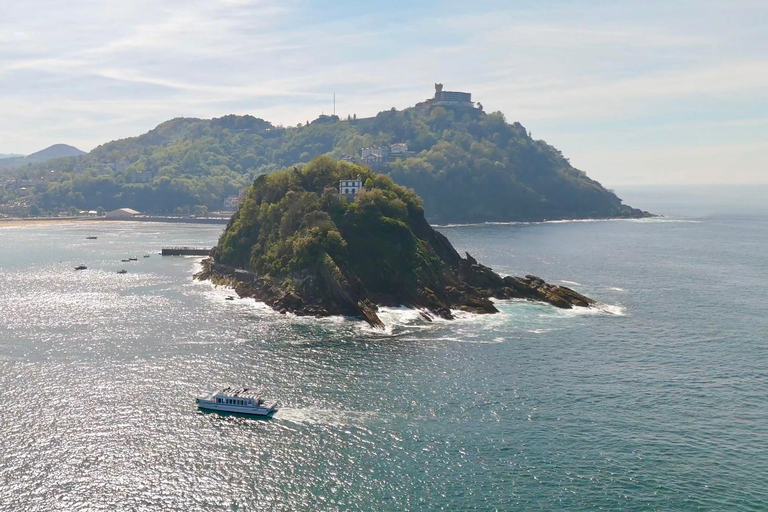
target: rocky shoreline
<point>471,289</point>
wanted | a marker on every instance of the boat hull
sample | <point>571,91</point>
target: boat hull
<point>237,409</point>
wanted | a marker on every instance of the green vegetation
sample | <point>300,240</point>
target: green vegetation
<point>467,166</point>
<point>299,246</point>
<point>294,223</point>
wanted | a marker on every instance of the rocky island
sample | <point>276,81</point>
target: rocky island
<point>334,238</point>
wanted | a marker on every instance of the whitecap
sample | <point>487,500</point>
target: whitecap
<point>597,309</point>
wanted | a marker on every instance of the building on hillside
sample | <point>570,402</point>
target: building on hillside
<point>377,152</point>
<point>371,160</point>
<point>399,150</point>
<point>122,213</point>
<point>349,188</point>
<point>348,158</point>
<point>452,98</point>
<point>373,156</point>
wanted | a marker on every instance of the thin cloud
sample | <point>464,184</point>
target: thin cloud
<point>89,71</point>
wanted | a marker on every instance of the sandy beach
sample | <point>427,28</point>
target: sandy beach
<point>7,223</point>
<point>28,222</point>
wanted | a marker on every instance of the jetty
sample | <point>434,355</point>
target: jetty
<point>185,251</point>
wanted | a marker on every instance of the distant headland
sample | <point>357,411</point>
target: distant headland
<point>466,164</point>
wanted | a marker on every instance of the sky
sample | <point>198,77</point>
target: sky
<point>652,92</point>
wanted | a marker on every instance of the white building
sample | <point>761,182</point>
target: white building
<point>398,148</point>
<point>122,213</point>
<point>350,187</point>
<point>374,152</point>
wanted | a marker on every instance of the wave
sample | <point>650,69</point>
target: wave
<point>457,225</point>
<point>571,282</point>
<point>616,289</point>
<point>515,317</point>
<point>563,221</point>
<point>598,309</point>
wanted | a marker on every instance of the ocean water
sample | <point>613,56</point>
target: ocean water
<point>655,401</point>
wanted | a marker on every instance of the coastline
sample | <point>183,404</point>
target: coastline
<point>30,221</point>
<point>20,222</point>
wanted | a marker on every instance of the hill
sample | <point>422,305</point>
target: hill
<point>467,165</point>
<point>44,155</point>
<point>10,155</point>
<point>55,151</point>
<point>298,245</point>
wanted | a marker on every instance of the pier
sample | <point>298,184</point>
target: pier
<point>185,251</point>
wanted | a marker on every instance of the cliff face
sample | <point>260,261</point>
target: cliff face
<point>297,245</point>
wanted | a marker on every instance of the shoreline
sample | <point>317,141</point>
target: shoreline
<point>18,221</point>
<point>42,221</point>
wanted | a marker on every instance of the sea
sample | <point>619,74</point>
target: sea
<point>655,400</point>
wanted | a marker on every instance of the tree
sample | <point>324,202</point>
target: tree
<point>369,183</point>
<point>467,166</point>
<point>72,211</point>
<point>100,211</point>
<point>34,210</point>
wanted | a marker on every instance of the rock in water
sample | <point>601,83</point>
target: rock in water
<point>298,245</point>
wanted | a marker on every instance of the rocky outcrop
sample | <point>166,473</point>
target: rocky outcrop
<point>306,250</point>
<point>469,286</point>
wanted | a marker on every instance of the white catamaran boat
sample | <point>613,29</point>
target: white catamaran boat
<point>237,400</point>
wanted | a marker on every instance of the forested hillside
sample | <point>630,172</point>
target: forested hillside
<point>297,245</point>
<point>468,166</point>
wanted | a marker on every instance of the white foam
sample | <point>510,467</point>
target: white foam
<point>571,282</point>
<point>616,289</point>
<point>563,221</point>
<point>598,309</point>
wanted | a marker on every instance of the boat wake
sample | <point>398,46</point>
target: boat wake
<point>318,416</point>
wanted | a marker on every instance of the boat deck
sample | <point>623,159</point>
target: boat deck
<point>234,392</point>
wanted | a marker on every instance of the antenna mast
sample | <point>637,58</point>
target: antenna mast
<point>334,103</point>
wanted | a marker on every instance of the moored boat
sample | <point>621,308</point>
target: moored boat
<point>237,400</point>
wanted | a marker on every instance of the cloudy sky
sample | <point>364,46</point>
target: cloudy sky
<point>633,92</point>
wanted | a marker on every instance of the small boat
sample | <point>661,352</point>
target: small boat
<point>125,261</point>
<point>81,267</point>
<point>122,271</point>
<point>237,400</point>
<point>230,298</point>
<point>133,259</point>
<point>146,255</point>
<point>91,237</point>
